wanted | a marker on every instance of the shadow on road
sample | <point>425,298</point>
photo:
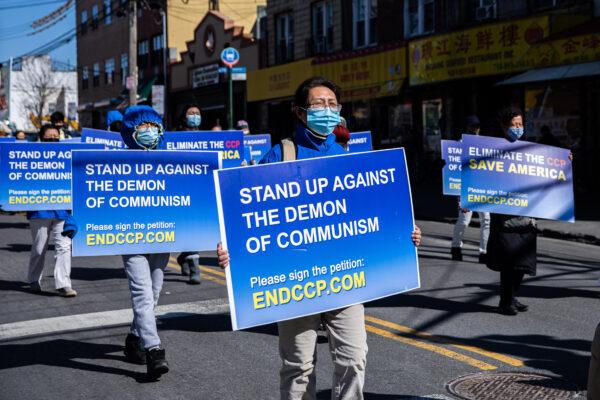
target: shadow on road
<point>20,247</point>
<point>67,354</point>
<point>97,274</point>
<point>17,286</point>
<point>14,225</point>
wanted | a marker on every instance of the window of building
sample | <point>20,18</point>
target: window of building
<point>84,22</point>
<point>484,9</point>
<point>419,17</point>
<point>94,16</point>
<point>84,77</point>
<point>322,27</point>
<point>124,68</point>
<point>284,37</point>
<point>109,71</point>
<point>107,12</point>
<point>364,27</point>
<point>157,42</point>
<point>143,48</point>
<point>96,74</point>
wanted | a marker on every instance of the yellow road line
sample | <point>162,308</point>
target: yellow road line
<point>212,270</point>
<point>428,346</point>
<point>173,264</point>
<point>428,336</point>
<point>214,279</point>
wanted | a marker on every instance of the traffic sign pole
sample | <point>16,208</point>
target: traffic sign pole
<point>230,90</point>
<point>230,57</point>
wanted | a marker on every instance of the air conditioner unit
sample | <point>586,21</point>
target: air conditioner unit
<point>486,12</point>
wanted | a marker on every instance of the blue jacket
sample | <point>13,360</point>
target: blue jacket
<point>134,116</point>
<point>49,214</point>
<point>309,146</point>
<point>112,116</point>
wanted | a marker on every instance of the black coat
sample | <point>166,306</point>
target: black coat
<point>512,244</point>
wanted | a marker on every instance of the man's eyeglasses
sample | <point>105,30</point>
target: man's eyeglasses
<point>322,104</point>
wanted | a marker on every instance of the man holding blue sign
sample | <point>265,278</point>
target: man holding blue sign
<point>317,111</point>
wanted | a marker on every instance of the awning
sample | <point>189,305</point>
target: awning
<point>554,73</point>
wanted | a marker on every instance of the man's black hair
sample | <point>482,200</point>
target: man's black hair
<point>115,126</point>
<point>57,116</point>
<point>506,115</point>
<point>301,96</point>
<point>46,127</point>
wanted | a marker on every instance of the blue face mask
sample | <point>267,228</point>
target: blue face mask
<point>514,134</point>
<point>147,137</point>
<point>322,120</point>
<point>193,120</point>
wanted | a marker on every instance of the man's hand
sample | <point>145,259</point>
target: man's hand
<point>416,236</point>
<point>223,256</point>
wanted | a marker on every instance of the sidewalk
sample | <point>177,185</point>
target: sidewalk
<point>430,204</point>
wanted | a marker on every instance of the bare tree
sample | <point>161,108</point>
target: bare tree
<point>39,85</point>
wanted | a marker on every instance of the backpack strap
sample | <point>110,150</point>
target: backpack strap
<point>289,151</point>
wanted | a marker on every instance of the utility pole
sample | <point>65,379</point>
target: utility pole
<point>133,75</point>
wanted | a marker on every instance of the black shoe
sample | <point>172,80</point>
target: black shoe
<point>185,269</point>
<point>133,352</point>
<point>482,258</point>
<point>507,310</point>
<point>520,306</point>
<point>456,253</point>
<point>156,363</point>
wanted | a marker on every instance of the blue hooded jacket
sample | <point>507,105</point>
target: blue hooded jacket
<point>135,116</point>
<point>309,146</point>
<point>112,116</point>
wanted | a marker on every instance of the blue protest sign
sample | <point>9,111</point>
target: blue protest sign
<point>110,140</point>
<point>359,142</point>
<point>516,178</point>
<point>451,173</point>
<point>7,139</point>
<point>260,145</point>
<point>138,202</point>
<point>71,140</point>
<point>37,176</point>
<point>304,236</point>
<point>230,56</point>
<point>229,143</point>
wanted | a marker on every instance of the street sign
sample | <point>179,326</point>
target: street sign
<point>205,76</point>
<point>230,56</point>
<point>237,73</point>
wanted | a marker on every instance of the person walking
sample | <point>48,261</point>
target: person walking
<point>465,215</point>
<point>190,120</point>
<point>316,113</point>
<point>142,130</point>
<point>45,225</point>
<point>512,246</point>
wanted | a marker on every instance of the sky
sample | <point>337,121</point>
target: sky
<point>15,29</point>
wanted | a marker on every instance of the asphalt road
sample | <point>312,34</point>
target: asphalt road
<point>57,348</point>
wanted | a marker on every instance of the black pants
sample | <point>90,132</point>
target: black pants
<point>510,282</point>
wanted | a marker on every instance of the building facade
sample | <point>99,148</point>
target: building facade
<point>411,71</point>
<point>34,88</point>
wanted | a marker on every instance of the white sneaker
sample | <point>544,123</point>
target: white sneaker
<point>67,292</point>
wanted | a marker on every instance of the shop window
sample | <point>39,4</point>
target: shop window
<point>143,54</point>
<point>84,77</point>
<point>84,22</point>
<point>284,38</point>
<point>124,68</point>
<point>555,111</point>
<point>484,10</point>
<point>400,123</point>
<point>321,41</point>
<point>364,27</point>
<point>96,75</point>
<point>432,125</point>
<point>109,71</point>
<point>107,12</point>
<point>419,17</point>
<point>361,116</point>
<point>94,16</point>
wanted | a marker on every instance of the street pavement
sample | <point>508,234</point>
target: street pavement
<point>57,348</point>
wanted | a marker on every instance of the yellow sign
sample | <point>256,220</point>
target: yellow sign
<point>279,81</point>
<point>571,50</point>
<point>485,50</point>
<point>370,76</point>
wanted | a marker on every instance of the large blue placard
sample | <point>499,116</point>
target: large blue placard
<point>110,140</point>
<point>451,173</point>
<point>7,139</point>
<point>259,146</point>
<point>138,202</point>
<point>229,143</point>
<point>516,178</point>
<point>305,237</point>
<point>37,176</point>
<point>360,141</point>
